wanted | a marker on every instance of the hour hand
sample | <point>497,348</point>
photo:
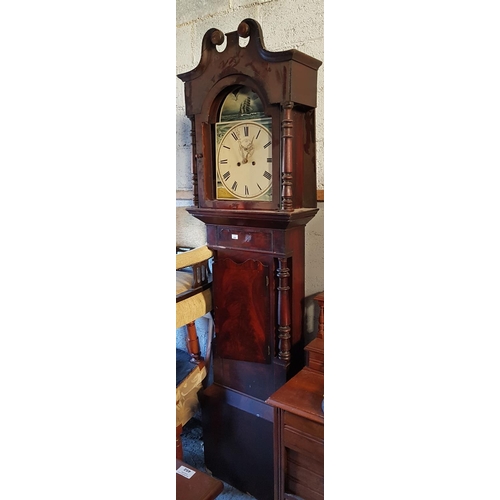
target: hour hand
<point>247,150</point>
<point>243,153</point>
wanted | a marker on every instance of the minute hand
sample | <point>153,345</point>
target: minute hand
<point>248,151</point>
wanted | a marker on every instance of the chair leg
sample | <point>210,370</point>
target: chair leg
<point>193,344</point>
<point>208,351</point>
<point>178,442</point>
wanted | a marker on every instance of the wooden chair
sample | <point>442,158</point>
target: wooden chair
<point>193,301</point>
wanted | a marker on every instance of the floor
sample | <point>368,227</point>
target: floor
<point>192,444</point>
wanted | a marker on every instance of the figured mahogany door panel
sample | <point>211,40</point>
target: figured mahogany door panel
<point>242,310</point>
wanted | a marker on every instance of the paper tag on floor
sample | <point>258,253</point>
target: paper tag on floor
<point>184,471</point>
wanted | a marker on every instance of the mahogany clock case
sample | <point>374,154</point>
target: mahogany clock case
<point>258,244</point>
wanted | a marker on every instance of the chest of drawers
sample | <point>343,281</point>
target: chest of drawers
<point>299,437</point>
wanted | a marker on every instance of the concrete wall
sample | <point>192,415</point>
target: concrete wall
<point>286,24</point>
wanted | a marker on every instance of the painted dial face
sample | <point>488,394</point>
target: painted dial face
<point>244,160</point>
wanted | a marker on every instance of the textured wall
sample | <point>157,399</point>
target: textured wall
<point>286,24</point>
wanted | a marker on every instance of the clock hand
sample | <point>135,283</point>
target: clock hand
<point>242,152</point>
<point>248,150</point>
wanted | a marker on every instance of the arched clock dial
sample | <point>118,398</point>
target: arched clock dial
<point>244,160</point>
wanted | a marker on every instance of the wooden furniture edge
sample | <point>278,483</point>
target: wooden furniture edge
<point>184,194</point>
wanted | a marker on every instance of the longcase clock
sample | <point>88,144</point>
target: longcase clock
<point>252,115</point>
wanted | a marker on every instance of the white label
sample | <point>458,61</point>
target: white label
<point>184,471</point>
<point>234,236</point>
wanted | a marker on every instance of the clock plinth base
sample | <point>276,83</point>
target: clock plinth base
<point>238,439</point>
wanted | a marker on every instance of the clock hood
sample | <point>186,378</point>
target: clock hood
<point>285,75</point>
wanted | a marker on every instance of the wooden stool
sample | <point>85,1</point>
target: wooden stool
<point>192,484</point>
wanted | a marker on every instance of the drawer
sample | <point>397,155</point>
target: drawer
<point>304,468</point>
<point>304,425</point>
<point>303,443</point>
<point>244,238</point>
<point>304,476</point>
<point>295,490</point>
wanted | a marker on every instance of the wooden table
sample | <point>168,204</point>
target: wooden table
<point>299,437</point>
<point>192,484</point>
